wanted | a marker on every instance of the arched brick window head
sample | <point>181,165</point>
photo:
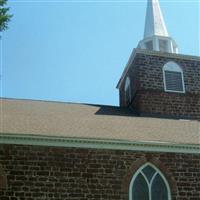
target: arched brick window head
<point>148,183</point>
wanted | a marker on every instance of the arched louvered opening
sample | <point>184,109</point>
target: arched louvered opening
<point>173,78</point>
<point>127,89</point>
<point>148,183</point>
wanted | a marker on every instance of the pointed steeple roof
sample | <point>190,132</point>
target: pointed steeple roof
<point>156,37</point>
<point>154,23</point>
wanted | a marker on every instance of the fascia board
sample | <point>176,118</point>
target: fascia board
<point>149,146</point>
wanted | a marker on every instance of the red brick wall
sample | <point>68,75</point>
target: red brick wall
<point>37,172</point>
<point>148,95</point>
<point>152,102</point>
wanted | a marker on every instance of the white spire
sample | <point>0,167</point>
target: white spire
<point>156,37</point>
<point>154,23</point>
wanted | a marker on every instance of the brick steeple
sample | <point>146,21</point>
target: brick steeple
<point>157,81</point>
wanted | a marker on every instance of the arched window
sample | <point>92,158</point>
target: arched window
<point>127,89</point>
<point>148,183</point>
<point>173,78</point>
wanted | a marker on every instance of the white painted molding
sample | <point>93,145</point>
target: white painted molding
<point>98,143</point>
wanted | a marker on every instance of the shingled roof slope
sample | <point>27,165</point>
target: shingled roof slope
<point>92,121</point>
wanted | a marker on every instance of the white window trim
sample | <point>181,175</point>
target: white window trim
<point>173,67</point>
<point>149,184</point>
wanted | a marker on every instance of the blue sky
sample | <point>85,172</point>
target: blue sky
<point>75,51</point>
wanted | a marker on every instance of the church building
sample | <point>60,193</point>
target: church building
<point>148,148</point>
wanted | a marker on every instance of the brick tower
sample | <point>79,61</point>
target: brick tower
<point>157,80</point>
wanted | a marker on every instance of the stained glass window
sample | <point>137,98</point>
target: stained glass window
<point>149,172</point>
<point>140,188</point>
<point>149,184</point>
<point>158,189</point>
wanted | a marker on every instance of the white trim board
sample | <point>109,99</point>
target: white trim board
<point>148,146</point>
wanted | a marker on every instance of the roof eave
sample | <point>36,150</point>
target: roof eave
<point>149,146</point>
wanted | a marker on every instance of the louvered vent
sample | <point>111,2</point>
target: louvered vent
<point>149,45</point>
<point>173,81</point>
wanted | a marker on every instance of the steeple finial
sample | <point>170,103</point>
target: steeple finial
<point>156,36</point>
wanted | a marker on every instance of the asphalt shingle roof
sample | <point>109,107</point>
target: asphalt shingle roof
<point>92,121</point>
